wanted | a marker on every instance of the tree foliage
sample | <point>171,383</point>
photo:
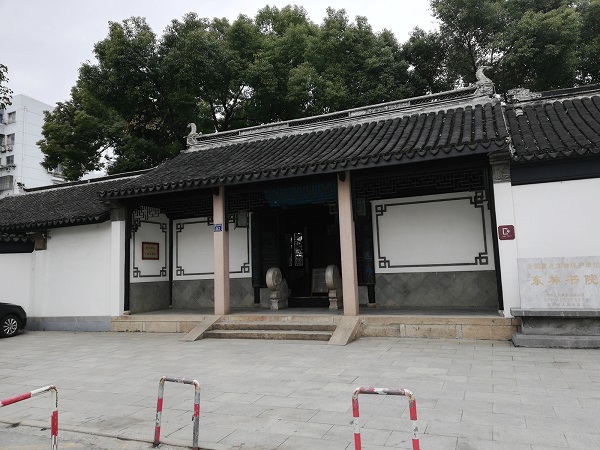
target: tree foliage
<point>538,44</point>
<point>5,92</point>
<point>135,101</point>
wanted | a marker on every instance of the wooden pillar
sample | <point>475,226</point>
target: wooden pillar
<point>347,245</point>
<point>221,246</point>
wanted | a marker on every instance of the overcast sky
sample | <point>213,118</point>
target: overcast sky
<point>45,42</point>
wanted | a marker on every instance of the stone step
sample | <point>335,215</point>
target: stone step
<point>555,341</point>
<point>270,334</point>
<point>278,316</point>
<point>290,326</point>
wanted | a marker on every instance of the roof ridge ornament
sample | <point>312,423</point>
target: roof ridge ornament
<point>485,86</point>
<point>191,137</point>
<point>521,94</point>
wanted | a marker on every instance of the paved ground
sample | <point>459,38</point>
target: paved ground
<point>294,395</point>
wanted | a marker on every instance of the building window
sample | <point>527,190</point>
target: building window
<point>6,182</point>
<point>10,160</point>
<point>12,117</point>
<point>10,139</point>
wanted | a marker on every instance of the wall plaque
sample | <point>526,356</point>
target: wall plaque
<point>560,283</point>
<point>150,250</point>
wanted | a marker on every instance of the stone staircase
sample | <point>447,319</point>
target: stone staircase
<point>276,327</point>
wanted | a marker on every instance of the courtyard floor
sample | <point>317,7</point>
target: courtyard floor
<point>471,395</point>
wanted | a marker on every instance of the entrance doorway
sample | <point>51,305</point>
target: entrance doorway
<point>302,241</point>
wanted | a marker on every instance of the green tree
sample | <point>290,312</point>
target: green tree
<point>135,101</point>
<point>5,92</point>
<point>539,44</point>
<point>589,50</point>
<point>427,55</point>
<point>540,49</point>
<point>471,31</point>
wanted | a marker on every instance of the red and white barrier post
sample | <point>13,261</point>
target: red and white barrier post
<point>53,417</point>
<point>159,405</point>
<point>412,405</point>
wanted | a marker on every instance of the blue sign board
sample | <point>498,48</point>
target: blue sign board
<point>218,227</point>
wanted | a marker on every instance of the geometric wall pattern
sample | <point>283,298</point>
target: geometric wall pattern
<point>438,290</point>
<point>446,232</point>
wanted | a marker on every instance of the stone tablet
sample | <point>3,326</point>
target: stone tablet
<point>560,283</point>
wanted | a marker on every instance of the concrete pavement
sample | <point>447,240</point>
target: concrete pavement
<point>297,395</point>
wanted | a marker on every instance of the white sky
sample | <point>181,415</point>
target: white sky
<point>45,42</point>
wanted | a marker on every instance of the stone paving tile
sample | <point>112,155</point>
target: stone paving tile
<point>275,400</point>
<point>301,442</point>
<point>590,424</point>
<point>252,410</point>
<point>477,431</point>
<point>335,418</point>
<point>297,414</point>
<point>583,440</point>
<point>255,439</point>
<point>525,410</point>
<point>427,442</point>
<point>475,444</point>
<point>346,433</point>
<point>463,405</point>
<point>296,428</point>
<point>508,420</point>
<point>538,436</point>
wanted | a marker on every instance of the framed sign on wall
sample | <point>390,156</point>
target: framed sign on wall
<point>150,250</point>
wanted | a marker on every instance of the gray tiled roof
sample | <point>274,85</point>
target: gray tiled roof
<point>546,129</point>
<point>394,140</point>
<point>73,204</point>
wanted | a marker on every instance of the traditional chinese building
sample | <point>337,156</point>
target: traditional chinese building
<point>443,205</point>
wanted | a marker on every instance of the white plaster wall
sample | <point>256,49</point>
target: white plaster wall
<point>193,248</point>
<point>72,277</point>
<point>434,233</point>
<point>16,271</point>
<point>558,219</point>
<point>148,270</point>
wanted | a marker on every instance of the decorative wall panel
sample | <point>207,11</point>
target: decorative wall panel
<point>193,248</point>
<point>155,232</point>
<point>435,233</point>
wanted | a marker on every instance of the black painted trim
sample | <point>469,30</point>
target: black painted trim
<point>556,170</point>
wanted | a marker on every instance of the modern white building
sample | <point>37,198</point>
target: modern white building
<point>20,157</point>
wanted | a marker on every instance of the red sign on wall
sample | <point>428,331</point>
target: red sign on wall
<point>506,232</point>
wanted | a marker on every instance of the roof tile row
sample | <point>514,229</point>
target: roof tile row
<point>394,140</point>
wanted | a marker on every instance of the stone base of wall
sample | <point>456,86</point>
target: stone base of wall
<point>435,327</point>
<point>144,297</point>
<point>438,290</point>
<point>193,294</point>
<point>74,323</point>
<point>158,323</point>
<point>554,328</point>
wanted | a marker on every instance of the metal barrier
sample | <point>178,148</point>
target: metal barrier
<point>159,405</point>
<point>53,417</point>
<point>412,405</point>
